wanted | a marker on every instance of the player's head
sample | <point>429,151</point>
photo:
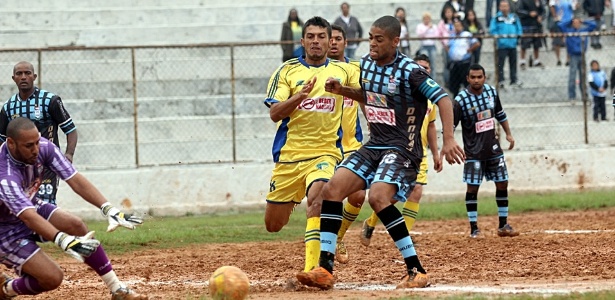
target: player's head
<point>476,77</point>
<point>423,61</point>
<point>316,38</point>
<point>384,39</point>
<point>338,42</point>
<point>24,76</point>
<point>22,139</point>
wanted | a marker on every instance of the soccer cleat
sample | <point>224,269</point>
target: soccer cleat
<point>366,234</point>
<point>317,277</point>
<point>127,294</point>
<point>341,253</point>
<point>414,280</point>
<point>507,230</point>
<point>5,280</point>
<point>522,66</point>
<point>476,234</point>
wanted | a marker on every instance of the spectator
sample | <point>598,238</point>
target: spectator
<point>489,10</point>
<point>460,51</point>
<point>352,27</point>
<point>426,31</point>
<point>474,26</point>
<point>506,22</point>
<point>291,31</point>
<point>595,9</point>
<point>576,46</point>
<point>560,11</point>
<point>530,12</point>
<point>446,29</point>
<point>598,84</point>
<point>404,43</point>
<point>458,7</point>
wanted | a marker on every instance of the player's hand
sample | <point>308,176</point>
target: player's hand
<point>452,152</point>
<point>333,85</point>
<point>78,247</point>
<point>307,88</point>
<point>117,218</point>
<point>511,142</point>
<point>437,163</point>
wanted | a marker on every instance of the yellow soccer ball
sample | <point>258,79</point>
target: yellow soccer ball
<point>229,283</point>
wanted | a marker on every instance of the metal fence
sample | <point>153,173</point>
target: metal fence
<point>195,104</point>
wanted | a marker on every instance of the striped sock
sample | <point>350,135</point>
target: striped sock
<point>472,208</point>
<point>395,225</point>
<point>501,198</point>
<point>410,212</point>
<point>331,221</point>
<point>312,243</point>
<point>349,214</point>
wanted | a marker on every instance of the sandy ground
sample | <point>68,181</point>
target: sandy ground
<point>557,253</point>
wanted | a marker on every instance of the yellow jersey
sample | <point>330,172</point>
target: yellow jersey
<point>351,125</point>
<point>314,128</point>
<point>429,117</point>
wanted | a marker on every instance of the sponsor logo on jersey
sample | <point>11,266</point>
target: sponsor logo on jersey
<point>485,125</point>
<point>320,104</point>
<point>380,115</point>
<point>375,99</point>
<point>483,115</point>
<point>300,82</point>
<point>348,102</point>
<point>322,165</point>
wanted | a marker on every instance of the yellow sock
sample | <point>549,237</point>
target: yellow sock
<point>372,220</point>
<point>312,243</point>
<point>349,215</point>
<point>410,212</point>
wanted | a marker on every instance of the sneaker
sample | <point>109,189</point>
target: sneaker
<point>540,65</point>
<point>559,63</point>
<point>507,230</point>
<point>567,63</point>
<point>127,294</point>
<point>318,277</point>
<point>366,234</point>
<point>476,234</point>
<point>341,254</point>
<point>501,85</point>
<point>516,84</point>
<point>5,280</point>
<point>522,66</point>
<point>414,280</point>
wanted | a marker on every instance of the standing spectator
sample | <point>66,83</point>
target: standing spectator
<point>426,31</point>
<point>47,112</point>
<point>598,84</point>
<point>291,31</point>
<point>460,50</point>
<point>595,9</point>
<point>506,22</point>
<point>489,9</point>
<point>477,108</point>
<point>475,27</point>
<point>404,43</point>
<point>613,84</point>
<point>560,11</point>
<point>458,6</point>
<point>446,29</point>
<point>576,46</point>
<point>530,12</point>
<point>352,27</point>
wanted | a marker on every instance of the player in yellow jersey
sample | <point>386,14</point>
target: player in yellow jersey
<point>307,144</point>
<point>351,140</point>
<point>428,137</point>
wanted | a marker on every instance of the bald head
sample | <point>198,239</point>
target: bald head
<point>17,125</point>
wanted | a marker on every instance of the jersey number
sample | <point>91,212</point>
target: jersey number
<point>45,189</point>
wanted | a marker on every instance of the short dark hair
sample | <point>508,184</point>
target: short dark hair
<point>340,29</point>
<point>477,67</point>
<point>389,24</point>
<point>318,22</point>
<point>422,57</point>
<point>18,124</point>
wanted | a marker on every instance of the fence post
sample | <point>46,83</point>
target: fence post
<point>233,99</point>
<point>583,88</point>
<point>495,62</point>
<point>40,68</point>
<point>135,106</point>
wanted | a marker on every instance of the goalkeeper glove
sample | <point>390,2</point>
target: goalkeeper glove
<point>117,218</point>
<point>77,246</point>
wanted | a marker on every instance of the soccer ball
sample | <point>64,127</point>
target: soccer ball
<point>229,283</point>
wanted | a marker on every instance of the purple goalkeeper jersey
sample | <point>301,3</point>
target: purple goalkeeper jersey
<point>19,182</point>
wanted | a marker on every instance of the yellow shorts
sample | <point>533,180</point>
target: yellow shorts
<point>290,181</point>
<point>421,177</point>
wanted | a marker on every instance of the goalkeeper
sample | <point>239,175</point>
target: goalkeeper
<point>26,220</point>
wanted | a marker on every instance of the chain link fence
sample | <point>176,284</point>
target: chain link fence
<point>196,104</point>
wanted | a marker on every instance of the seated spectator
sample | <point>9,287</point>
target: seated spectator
<point>530,12</point>
<point>460,49</point>
<point>474,26</point>
<point>426,31</point>
<point>576,45</point>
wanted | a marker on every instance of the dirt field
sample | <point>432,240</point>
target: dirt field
<point>556,253</point>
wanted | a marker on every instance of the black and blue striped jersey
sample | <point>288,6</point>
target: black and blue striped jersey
<point>44,108</point>
<point>477,115</point>
<point>396,101</point>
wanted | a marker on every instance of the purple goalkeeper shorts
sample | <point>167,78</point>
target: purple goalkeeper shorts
<point>18,242</point>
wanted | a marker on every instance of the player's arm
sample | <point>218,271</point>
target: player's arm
<point>281,110</point>
<point>62,119</point>
<point>4,122</point>
<point>333,85</point>
<point>432,141</point>
<point>500,115</point>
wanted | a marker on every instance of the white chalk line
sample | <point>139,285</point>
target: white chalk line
<point>547,231</point>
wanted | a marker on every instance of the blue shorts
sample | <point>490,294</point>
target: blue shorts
<point>18,243</point>
<point>492,169</point>
<point>383,165</point>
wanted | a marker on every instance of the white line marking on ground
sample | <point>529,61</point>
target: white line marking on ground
<point>548,231</point>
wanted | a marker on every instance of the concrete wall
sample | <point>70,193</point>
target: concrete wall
<point>205,189</point>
